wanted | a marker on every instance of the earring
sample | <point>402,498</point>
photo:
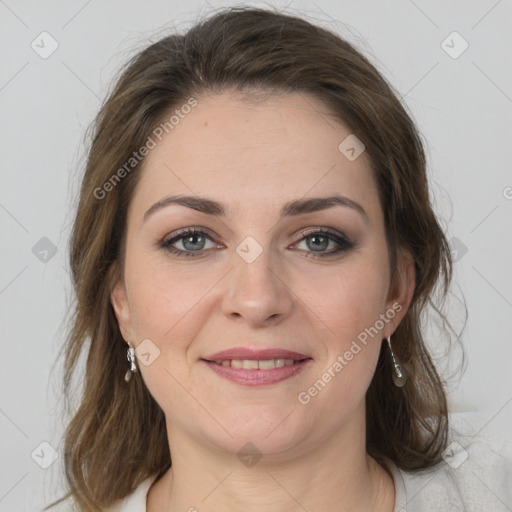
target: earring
<point>399,376</point>
<point>130,355</point>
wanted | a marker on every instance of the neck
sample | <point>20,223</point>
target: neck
<point>336,475</point>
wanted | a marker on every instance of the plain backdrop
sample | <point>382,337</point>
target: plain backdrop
<point>449,60</point>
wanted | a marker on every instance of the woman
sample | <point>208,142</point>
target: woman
<point>252,252</point>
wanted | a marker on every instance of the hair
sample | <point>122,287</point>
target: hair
<point>117,436</point>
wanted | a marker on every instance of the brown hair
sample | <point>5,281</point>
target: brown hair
<point>117,437</point>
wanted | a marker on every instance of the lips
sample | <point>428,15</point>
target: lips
<point>259,377</point>
<point>241,353</point>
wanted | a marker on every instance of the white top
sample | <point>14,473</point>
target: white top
<point>475,476</point>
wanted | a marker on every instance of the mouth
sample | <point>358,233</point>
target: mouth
<point>246,354</point>
<point>258,364</point>
<point>257,368</point>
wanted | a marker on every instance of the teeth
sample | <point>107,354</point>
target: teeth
<point>250,365</point>
<point>264,364</point>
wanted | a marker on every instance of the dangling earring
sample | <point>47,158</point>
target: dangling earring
<point>130,355</point>
<point>399,376</point>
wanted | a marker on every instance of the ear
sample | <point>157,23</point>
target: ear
<point>401,291</point>
<point>121,306</point>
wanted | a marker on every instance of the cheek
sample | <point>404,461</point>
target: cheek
<point>164,304</point>
<point>348,299</point>
<point>161,294</point>
<point>349,304</point>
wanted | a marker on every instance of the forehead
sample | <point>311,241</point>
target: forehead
<point>254,153</point>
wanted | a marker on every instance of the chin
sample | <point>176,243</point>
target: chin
<point>270,430</point>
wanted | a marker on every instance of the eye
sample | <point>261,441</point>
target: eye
<point>192,240</point>
<point>319,239</point>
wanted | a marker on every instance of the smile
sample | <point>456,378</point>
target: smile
<point>262,364</point>
<point>251,372</point>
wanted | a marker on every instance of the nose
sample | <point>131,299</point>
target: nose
<point>257,292</point>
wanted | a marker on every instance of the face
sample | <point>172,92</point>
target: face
<point>311,281</point>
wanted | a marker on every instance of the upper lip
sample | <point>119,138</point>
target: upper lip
<point>238,353</point>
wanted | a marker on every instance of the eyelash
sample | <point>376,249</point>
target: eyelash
<point>343,242</point>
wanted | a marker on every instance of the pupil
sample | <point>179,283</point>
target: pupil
<point>189,238</point>
<point>325,240</point>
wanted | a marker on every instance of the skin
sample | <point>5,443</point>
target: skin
<point>254,158</point>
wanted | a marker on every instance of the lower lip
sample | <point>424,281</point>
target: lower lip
<point>258,377</point>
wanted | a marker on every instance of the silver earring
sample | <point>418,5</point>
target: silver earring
<point>130,355</point>
<point>399,376</point>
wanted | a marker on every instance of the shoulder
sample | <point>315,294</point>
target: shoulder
<point>136,501</point>
<point>475,475</point>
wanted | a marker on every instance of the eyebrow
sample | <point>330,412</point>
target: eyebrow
<point>292,208</point>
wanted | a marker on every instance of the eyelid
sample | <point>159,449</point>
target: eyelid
<point>326,231</point>
<point>343,242</point>
<point>186,231</point>
<point>303,232</point>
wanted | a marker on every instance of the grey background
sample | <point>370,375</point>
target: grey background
<point>462,105</point>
